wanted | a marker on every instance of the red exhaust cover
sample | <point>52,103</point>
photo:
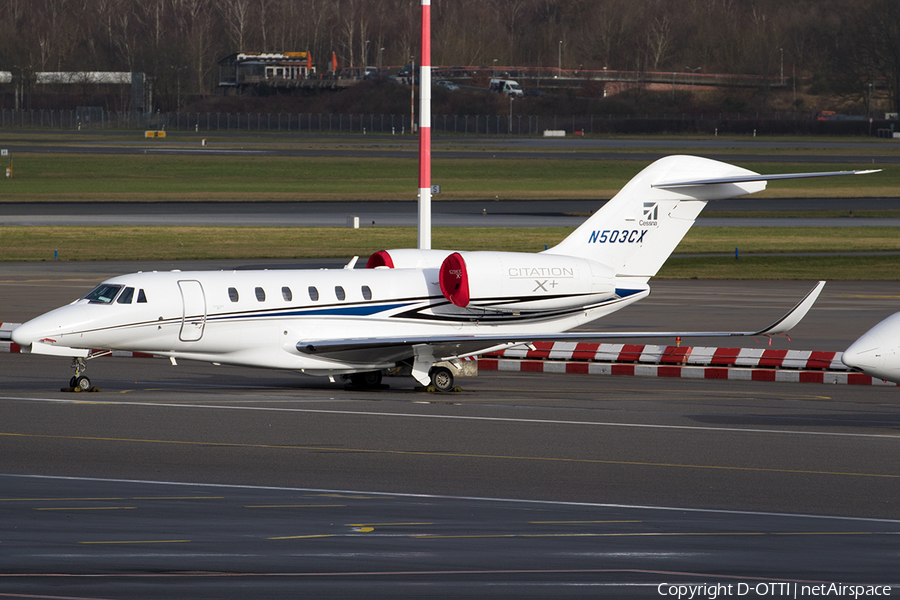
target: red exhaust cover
<point>455,280</point>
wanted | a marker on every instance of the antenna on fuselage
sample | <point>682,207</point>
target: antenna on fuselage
<point>425,130</point>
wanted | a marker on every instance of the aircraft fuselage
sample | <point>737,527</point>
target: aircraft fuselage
<point>258,318</point>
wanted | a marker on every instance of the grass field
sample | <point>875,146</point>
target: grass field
<point>185,243</point>
<point>154,177</point>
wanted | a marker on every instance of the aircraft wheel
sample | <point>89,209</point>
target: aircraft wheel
<point>369,379</point>
<point>72,381</point>
<point>442,379</point>
<point>82,383</point>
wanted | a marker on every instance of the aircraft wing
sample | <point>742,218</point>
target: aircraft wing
<point>374,350</point>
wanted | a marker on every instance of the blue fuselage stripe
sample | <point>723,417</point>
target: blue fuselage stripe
<point>364,310</point>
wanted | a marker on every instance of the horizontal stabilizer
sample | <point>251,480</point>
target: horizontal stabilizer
<point>752,178</point>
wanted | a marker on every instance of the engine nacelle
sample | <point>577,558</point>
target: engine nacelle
<point>408,258</point>
<point>519,282</point>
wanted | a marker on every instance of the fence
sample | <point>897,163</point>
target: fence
<point>95,118</point>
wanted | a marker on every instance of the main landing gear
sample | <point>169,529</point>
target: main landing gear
<point>441,379</point>
<point>367,380</point>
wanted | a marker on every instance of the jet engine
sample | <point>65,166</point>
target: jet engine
<point>407,258</point>
<point>519,282</point>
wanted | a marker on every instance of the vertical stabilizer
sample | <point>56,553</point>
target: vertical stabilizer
<point>637,230</point>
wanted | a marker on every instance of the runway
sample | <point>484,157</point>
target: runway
<point>526,488</point>
<point>204,481</point>
<point>461,213</point>
<point>235,143</point>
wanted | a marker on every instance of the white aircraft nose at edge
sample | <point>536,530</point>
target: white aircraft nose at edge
<point>409,307</point>
<point>877,352</point>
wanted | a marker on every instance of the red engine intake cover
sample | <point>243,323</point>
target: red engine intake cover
<point>455,280</point>
<point>380,259</point>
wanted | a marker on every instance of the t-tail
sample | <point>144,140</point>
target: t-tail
<point>640,227</point>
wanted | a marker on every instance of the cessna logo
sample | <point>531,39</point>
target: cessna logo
<point>651,214</point>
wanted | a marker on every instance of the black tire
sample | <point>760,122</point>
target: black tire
<point>72,381</point>
<point>372,378</point>
<point>82,383</point>
<point>369,379</point>
<point>441,379</point>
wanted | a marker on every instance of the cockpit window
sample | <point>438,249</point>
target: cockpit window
<point>126,296</point>
<point>142,297</point>
<point>103,294</point>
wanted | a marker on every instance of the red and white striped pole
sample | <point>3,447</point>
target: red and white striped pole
<point>425,131</point>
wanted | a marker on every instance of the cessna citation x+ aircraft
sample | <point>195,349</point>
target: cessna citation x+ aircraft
<point>410,307</point>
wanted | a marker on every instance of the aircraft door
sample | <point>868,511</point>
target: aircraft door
<point>193,318</point>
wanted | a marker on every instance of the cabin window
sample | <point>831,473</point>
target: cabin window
<point>367,293</point>
<point>126,296</point>
<point>286,294</point>
<point>313,294</point>
<point>339,292</point>
<point>142,297</point>
<point>233,295</point>
<point>260,294</point>
<point>103,294</point>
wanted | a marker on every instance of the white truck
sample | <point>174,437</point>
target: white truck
<point>507,87</point>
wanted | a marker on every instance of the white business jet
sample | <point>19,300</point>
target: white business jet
<point>410,307</point>
<point>877,351</point>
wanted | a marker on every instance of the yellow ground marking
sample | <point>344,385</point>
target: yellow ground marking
<point>89,508</point>
<point>301,537</point>
<point>57,499</point>
<point>548,459</point>
<point>108,499</point>
<point>384,524</point>
<point>646,534</point>
<point>296,506</point>
<point>364,529</point>
<point>140,542</point>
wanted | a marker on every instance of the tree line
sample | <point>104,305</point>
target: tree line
<point>850,46</point>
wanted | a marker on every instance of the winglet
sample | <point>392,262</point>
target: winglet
<point>788,321</point>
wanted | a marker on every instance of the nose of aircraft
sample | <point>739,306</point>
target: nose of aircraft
<point>866,353</point>
<point>877,352</point>
<point>50,325</point>
<point>23,335</point>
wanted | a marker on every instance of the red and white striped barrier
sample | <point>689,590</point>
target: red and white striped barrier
<point>729,373</point>
<point>677,355</point>
<point>734,364</point>
<point>6,330</point>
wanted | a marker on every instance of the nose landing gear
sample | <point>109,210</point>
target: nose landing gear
<point>79,382</point>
